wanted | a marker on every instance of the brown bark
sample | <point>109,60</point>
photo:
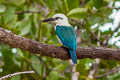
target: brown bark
<point>35,47</point>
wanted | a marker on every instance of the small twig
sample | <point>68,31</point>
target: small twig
<point>110,35</point>
<point>17,73</point>
<point>79,23</point>
<point>78,34</point>
<point>75,74</point>
<point>22,12</point>
<point>95,37</point>
<point>94,69</point>
<point>96,62</point>
<point>113,8</point>
<point>117,69</point>
<point>42,9</point>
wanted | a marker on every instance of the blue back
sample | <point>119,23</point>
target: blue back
<point>67,36</point>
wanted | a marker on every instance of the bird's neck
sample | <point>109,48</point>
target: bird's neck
<point>63,24</point>
<point>67,25</point>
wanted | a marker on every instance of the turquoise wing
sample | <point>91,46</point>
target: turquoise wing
<point>67,36</point>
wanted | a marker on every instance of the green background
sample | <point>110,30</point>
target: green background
<point>81,13</point>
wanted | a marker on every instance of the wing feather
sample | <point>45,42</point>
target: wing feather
<point>67,36</point>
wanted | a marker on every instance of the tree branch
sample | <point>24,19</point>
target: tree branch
<point>17,73</point>
<point>22,12</point>
<point>16,41</point>
<point>114,8</point>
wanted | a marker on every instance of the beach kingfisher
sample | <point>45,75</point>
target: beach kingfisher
<point>65,34</point>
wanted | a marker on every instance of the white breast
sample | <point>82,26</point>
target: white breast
<point>59,40</point>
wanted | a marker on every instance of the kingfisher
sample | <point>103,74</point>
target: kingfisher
<point>65,34</point>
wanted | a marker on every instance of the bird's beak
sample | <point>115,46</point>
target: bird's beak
<point>49,19</point>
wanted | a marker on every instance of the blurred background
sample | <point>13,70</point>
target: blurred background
<point>96,23</point>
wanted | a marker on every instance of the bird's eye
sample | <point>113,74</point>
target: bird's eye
<point>58,18</point>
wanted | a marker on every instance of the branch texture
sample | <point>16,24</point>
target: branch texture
<point>17,73</point>
<point>35,47</point>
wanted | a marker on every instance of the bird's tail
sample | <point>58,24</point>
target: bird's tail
<point>73,56</point>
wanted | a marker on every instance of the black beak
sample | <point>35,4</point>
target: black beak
<point>47,20</point>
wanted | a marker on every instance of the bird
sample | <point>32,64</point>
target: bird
<point>65,33</point>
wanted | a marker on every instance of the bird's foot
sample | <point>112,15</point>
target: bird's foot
<point>64,47</point>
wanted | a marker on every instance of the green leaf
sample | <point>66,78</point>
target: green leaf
<point>24,27</point>
<point>94,19</point>
<point>73,4</point>
<point>2,8</point>
<point>10,65</point>
<point>65,6</point>
<point>33,28</point>
<point>109,64</point>
<point>16,77</point>
<point>62,67</point>
<point>99,3</point>
<point>16,2</point>
<point>53,76</point>
<point>59,7</point>
<point>36,64</point>
<point>78,13</point>
<point>115,76</point>
<point>50,3</point>
<point>41,2</point>
<point>9,16</point>
<point>81,67</point>
<point>1,1</point>
<point>1,20</point>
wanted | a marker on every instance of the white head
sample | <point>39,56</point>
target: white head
<point>58,19</point>
<point>61,19</point>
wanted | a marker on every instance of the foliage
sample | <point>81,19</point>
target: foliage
<point>89,15</point>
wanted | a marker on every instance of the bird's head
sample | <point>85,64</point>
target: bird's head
<point>58,19</point>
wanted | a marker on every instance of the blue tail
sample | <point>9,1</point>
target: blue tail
<point>73,56</point>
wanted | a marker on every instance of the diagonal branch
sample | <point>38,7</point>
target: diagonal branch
<point>14,74</point>
<point>35,47</point>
